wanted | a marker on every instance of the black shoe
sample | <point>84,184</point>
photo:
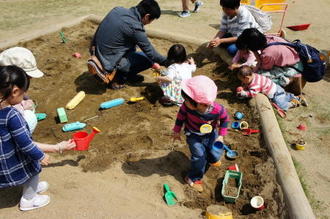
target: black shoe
<point>165,101</point>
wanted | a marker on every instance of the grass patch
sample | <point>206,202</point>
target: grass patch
<point>323,116</point>
<point>31,11</point>
<point>316,204</point>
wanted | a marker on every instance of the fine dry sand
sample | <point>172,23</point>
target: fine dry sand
<point>122,174</point>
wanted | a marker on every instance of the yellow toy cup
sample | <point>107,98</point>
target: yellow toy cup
<point>218,212</point>
<point>300,145</point>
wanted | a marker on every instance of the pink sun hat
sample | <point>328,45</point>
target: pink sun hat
<point>201,89</point>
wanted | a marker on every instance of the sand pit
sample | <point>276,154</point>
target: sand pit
<point>137,136</point>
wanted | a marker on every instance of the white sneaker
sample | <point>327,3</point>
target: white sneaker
<point>184,14</point>
<point>198,5</point>
<point>37,202</point>
<point>42,187</point>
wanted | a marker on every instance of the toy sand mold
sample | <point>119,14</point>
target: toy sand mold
<point>218,212</point>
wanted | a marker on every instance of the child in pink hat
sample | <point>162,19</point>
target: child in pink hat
<point>201,117</point>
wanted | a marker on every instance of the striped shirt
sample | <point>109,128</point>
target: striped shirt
<point>235,25</point>
<point>216,116</point>
<point>260,84</point>
<point>19,156</point>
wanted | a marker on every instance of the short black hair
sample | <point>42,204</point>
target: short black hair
<point>176,54</point>
<point>254,39</point>
<point>245,71</point>
<point>186,97</point>
<point>149,7</point>
<point>232,4</point>
<point>11,76</point>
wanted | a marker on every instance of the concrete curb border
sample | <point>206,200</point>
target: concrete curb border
<point>298,205</point>
<point>294,195</point>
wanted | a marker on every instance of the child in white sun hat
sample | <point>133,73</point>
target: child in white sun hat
<point>205,122</point>
<point>24,59</point>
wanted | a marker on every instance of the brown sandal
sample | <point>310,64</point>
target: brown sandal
<point>95,68</point>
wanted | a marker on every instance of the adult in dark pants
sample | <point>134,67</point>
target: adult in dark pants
<point>114,44</point>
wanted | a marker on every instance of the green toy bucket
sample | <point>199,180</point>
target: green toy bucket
<point>231,186</point>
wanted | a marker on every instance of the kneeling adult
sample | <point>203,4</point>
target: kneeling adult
<point>114,44</point>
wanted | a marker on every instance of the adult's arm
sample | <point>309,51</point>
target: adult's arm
<point>143,42</point>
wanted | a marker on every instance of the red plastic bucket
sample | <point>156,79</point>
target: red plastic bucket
<point>82,141</point>
<point>233,167</point>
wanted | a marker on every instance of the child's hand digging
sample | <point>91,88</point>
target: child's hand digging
<point>176,136</point>
<point>156,66</point>
<point>234,66</point>
<point>191,61</point>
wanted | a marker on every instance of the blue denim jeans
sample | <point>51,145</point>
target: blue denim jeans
<point>202,154</point>
<point>131,64</point>
<point>230,47</point>
<point>282,98</point>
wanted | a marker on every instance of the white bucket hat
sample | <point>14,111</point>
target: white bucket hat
<point>22,58</point>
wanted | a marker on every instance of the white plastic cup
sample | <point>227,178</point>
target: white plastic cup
<point>257,202</point>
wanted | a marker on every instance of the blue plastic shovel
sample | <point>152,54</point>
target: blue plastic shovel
<point>231,154</point>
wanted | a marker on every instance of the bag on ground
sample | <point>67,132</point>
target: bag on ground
<point>314,66</point>
<point>263,19</point>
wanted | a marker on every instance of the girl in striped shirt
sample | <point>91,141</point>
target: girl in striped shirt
<point>201,117</point>
<point>255,83</point>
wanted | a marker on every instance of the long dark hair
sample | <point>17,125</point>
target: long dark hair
<point>176,54</point>
<point>253,38</point>
<point>11,76</point>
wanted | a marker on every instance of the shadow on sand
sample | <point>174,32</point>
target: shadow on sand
<point>175,163</point>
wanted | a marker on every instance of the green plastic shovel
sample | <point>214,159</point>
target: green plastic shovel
<point>169,196</point>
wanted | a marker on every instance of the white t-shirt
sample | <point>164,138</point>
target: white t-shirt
<point>181,71</point>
